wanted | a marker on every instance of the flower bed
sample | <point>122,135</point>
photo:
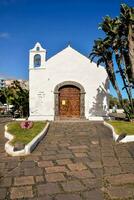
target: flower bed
<point>27,137</point>
<point>24,135</point>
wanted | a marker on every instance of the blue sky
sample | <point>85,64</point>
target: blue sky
<point>54,23</point>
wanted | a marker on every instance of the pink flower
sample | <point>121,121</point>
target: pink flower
<point>26,124</point>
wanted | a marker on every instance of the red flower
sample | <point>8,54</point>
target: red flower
<point>26,124</point>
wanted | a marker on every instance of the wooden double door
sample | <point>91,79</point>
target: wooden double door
<point>69,102</point>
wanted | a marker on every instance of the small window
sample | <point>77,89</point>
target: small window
<point>37,60</point>
<point>38,48</point>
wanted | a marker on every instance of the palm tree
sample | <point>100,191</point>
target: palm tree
<point>118,46</point>
<point>127,19</point>
<point>116,37</point>
<point>103,52</point>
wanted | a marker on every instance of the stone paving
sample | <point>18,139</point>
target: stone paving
<point>75,161</point>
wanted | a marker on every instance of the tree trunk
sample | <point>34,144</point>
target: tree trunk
<point>112,78</point>
<point>121,100</point>
<point>127,88</point>
<point>131,48</point>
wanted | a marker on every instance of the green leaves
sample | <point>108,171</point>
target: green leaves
<point>18,97</point>
<point>101,60</point>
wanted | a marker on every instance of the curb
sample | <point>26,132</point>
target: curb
<point>128,138</point>
<point>29,147</point>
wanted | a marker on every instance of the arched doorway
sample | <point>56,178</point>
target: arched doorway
<point>69,100</point>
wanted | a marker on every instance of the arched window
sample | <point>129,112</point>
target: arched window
<point>38,48</point>
<point>37,60</point>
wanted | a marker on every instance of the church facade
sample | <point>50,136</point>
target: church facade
<point>66,86</point>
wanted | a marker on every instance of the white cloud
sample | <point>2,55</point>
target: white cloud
<point>4,35</point>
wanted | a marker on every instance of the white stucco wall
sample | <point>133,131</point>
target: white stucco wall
<point>67,65</point>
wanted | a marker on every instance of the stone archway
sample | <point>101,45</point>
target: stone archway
<point>57,96</point>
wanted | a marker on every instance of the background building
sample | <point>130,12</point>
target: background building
<point>7,82</point>
<point>2,82</point>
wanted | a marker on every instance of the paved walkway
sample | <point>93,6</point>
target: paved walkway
<point>75,161</point>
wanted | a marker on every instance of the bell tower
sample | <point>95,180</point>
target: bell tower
<point>37,57</point>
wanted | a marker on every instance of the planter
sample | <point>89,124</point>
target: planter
<point>19,119</point>
<point>28,147</point>
<point>128,138</point>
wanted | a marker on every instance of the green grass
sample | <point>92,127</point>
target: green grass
<point>123,127</point>
<point>24,135</point>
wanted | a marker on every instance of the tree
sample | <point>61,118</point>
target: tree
<point>2,96</point>
<point>127,17</point>
<point>115,46</point>
<point>17,96</point>
<point>113,101</point>
<point>20,99</point>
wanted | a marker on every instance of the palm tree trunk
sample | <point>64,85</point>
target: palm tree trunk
<point>121,100</point>
<point>127,88</point>
<point>131,47</point>
<point>112,77</point>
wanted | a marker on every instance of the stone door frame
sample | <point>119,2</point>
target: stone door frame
<point>82,97</point>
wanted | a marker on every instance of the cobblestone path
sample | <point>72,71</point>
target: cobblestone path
<point>75,161</point>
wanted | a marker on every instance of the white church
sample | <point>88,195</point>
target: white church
<point>66,86</point>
